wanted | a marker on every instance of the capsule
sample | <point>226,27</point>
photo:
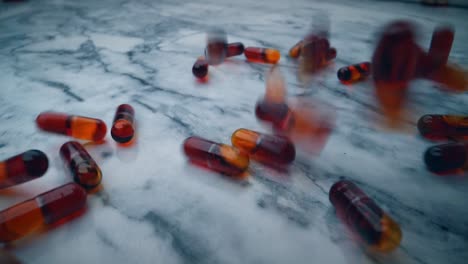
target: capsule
<point>82,166</point>
<point>331,54</point>
<point>123,127</point>
<point>200,68</point>
<point>72,125</point>
<point>218,157</point>
<point>268,149</point>
<point>295,51</point>
<point>443,126</point>
<point>234,49</point>
<point>354,73</point>
<point>23,167</point>
<point>368,222</point>
<point>447,157</point>
<point>441,45</point>
<point>262,55</point>
<point>45,209</point>
<point>216,49</point>
<point>273,112</point>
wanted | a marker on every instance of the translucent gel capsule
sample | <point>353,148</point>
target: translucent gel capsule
<point>82,166</point>
<point>443,126</point>
<point>216,48</point>
<point>262,55</point>
<point>447,157</point>
<point>441,45</point>
<point>268,149</point>
<point>315,53</point>
<point>123,128</point>
<point>295,51</point>
<point>354,72</point>
<point>23,167</point>
<point>71,125</point>
<point>368,222</point>
<point>200,68</point>
<point>272,112</point>
<point>45,209</point>
<point>234,49</point>
<point>218,157</point>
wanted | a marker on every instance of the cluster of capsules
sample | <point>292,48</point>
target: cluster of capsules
<point>67,200</point>
<point>218,49</point>
<point>450,157</point>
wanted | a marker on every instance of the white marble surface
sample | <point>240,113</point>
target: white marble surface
<point>86,57</point>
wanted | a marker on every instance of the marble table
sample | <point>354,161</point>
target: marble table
<point>86,57</point>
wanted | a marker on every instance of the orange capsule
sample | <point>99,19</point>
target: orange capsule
<point>443,126</point>
<point>295,51</point>
<point>45,209</point>
<point>354,72</point>
<point>368,222</point>
<point>234,49</point>
<point>71,125</point>
<point>123,126</point>
<point>23,167</point>
<point>82,166</point>
<point>218,157</point>
<point>262,55</point>
<point>268,149</point>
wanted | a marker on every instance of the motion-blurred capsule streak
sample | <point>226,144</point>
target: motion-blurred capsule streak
<point>216,47</point>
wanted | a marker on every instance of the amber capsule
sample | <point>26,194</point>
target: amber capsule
<point>447,157</point>
<point>82,166</point>
<point>443,126</point>
<point>216,48</point>
<point>23,167</point>
<point>71,125</point>
<point>364,217</point>
<point>218,157</point>
<point>263,55</point>
<point>123,127</point>
<point>45,209</point>
<point>295,51</point>
<point>200,68</point>
<point>353,73</point>
<point>268,149</point>
<point>234,49</point>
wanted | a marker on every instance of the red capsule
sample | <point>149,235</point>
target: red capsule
<point>234,49</point>
<point>354,73</point>
<point>364,217</point>
<point>82,166</point>
<point>272,150</point>
<point>443,126</point>
<point>216,50</point>
<point>45,209</point>
<point>218,157</point>
<point>200,68</point>
<point>74,126</point>
<point>123,127</point>
<point>23,167</point>
<point>272,112</point>
<point>262,55</point>
<point>447,158</point>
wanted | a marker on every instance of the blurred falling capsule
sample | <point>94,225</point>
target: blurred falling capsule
<point>271,150</point>
<point>215,156</point>
<point>295,51</point>
<point>441,45</point>
<point>235,49</point>
<point>368,222</point>
<point>262,55</point>
<point>275,90</point>
<point>443,126</point>
<point>23,167</point>
<point>354,73</point>
<point>200,68</point>
<point>216,48</point>
<point>447,157</point>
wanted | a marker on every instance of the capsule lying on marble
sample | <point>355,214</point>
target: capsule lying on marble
<point>235,49</point>
<point>447,157</point>
<point>443,126</point>
<point>262,55</point>
<point>354,73</point>
<point>364,217</point>
<point>267,149</point>
<point>218,157</point>
<point>200,68</point>
<point>295,51</point>
<point>82,166</point>
<point>72,125</point>
<point>123,127</point>
<point>45,209</point>
<point>216,49</point>
<point>23,167</point>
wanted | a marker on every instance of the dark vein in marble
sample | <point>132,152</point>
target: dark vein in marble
<point>63,87</point>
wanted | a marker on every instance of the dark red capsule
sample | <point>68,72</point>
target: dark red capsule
<point>23,167</point>
<point>443,126</point>
<point>274,113</point>
<point>234,49</point>
<point>200,68</point>
<point>123,127</point>
<point>216,48</point>
<point>447,157</point>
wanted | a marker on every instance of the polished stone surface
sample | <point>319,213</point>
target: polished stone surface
<point>87,57</point>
